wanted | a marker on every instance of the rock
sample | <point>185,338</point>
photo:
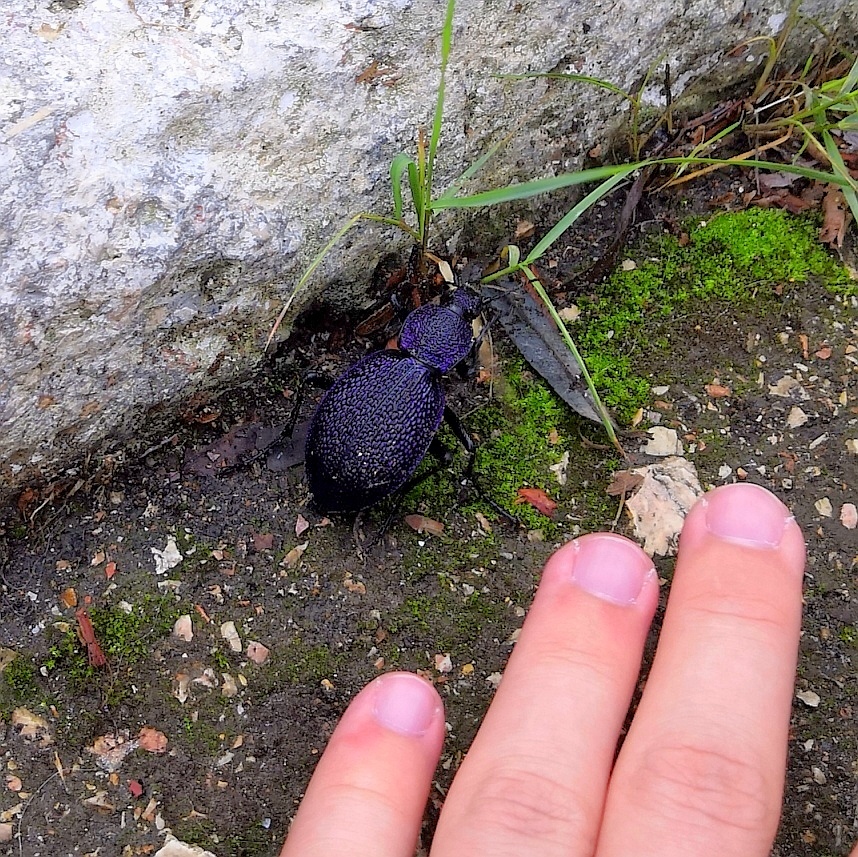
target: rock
<point>168,169</point>
<point>664,441</point>
<point>670,488</point>
<point>173,847</point>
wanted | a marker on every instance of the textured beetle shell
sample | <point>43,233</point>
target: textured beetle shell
<point>374,426</point>
<point>371,431</point>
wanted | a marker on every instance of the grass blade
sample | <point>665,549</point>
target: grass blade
<point>526,190</point>
<point>397,167</point>
<point>575,212</point>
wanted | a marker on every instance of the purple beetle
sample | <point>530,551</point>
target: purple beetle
<point>377,422</point>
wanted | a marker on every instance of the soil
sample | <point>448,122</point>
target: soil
<point>235,741</point>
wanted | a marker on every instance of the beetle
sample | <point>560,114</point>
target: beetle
<point>376,423</point>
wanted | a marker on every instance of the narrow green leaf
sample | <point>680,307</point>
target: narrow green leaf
<point>397,167</point>
<point>526,190</point>
<point>575,212</point>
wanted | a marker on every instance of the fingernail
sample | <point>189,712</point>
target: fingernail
<point>610,567</point>
<point>747,514</point>
<point>405,703</point>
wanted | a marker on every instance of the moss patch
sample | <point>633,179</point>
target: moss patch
<point>733,262</point>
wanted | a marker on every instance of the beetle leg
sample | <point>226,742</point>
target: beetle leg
<point>471,448</point>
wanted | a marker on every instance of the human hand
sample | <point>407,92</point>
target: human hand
<point>701,770</point>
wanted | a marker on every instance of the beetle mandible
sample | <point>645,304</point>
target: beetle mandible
<point>376,423</point>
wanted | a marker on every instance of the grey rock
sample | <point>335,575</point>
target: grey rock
<point>167,169</point>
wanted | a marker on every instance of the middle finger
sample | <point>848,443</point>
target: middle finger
<point>535,777</point>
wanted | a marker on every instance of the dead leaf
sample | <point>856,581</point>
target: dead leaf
<point>833,228</point>
<point>167,558</point>
<point>301,525</point>
<point>151,740</point>
<point>230,634</point>
<point>624,483</point>
<point>537,498</point>
<point>31,727</point>
<point>524,229</point>
<point>849,516</point>
<point>110,750</point>
<point>184,628</point>
<point>354,585</point>
<point>422,524</point>
<point>483,521</point>
<point>100,801</point>
<point>718,391</point>
<point>292,558</point>
<point>824,353</point>
<point>135,787</point>
<point>68,597</point>
<point>262,541</point>
<point>809,698</point>
<point>110,570</point>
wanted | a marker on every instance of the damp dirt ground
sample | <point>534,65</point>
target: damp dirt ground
<point>231,743</point>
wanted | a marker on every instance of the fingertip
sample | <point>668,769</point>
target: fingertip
<point>749,516</point>
<point>606,565</point>
<point>405,703</point>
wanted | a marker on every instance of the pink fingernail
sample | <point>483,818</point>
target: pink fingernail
<point>405,703</point>
<point>610,567</point>
<point>747,514</point>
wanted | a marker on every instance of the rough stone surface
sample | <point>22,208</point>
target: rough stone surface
<point>167,168</point>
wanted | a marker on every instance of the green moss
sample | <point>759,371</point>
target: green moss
<point>19,685</point>
<point>446,622</point>
<point>849,635</point>
<point>303,663</point>
<point>125,638</point>
<point>739,260</point>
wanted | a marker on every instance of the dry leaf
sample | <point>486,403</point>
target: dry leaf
<point>152,740</point>
<point>110,570</point>
<point>110,750</point>
<point>443,663</point>
<point>824,507</point>
<point>32,727</point>
<point>422,524</point>
<point>292,558</point>
<point>624,483</point>
<point>168,558</point>
<point>718,391</point>
<point>176,848</point>
<point>483,521</point>
<point>301,525</point>
<point>824,353</point>
<point>524,229</point>
<point>809,698</point>
<point>262,541</point>
<point>100,801</point>
<point>229,689</point>
<point>135,787</point>
<point>537,498</point>
<point>68,597</point>
<point>833,227</point>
